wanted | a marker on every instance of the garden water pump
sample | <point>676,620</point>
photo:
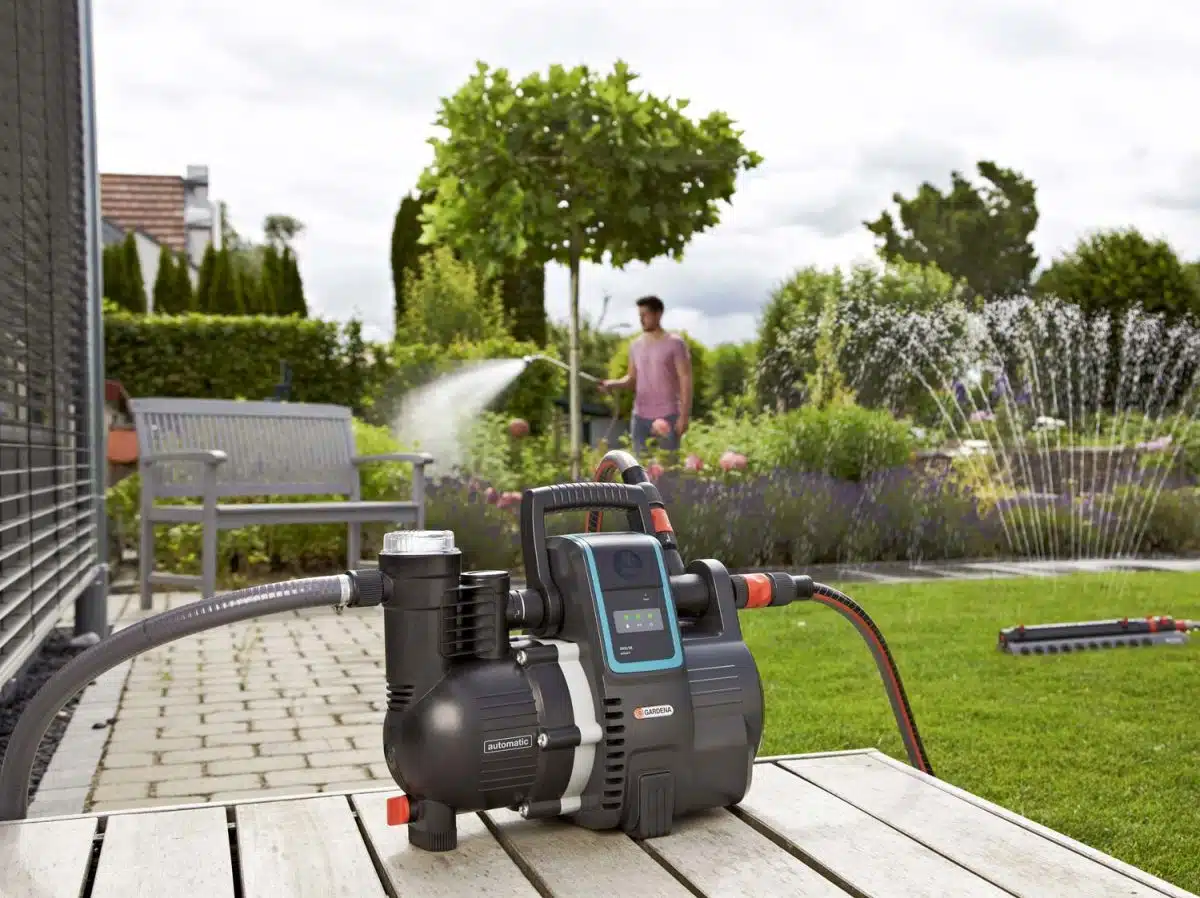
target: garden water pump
<point>626,698</point>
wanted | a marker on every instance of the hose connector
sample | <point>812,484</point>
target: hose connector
<point>368,588</point>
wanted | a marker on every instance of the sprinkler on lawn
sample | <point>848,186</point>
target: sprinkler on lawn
<point>627,699</point>
<point>1053,639</point>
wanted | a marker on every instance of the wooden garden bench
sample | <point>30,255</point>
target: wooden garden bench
<point>812,826</point>
<point>215,449</point>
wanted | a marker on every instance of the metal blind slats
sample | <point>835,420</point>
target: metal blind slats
<point>48,544</point>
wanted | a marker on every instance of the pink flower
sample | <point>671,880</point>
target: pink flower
<point>693,463</point>
<point>508,500</point>
<point>518,427</point>
<point>732,461</point>
<point>655,470</point>
<point>661,427</point>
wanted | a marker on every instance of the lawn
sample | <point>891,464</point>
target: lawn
<point>1103,747</point>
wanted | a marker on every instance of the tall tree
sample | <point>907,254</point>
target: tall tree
<point>133,286</point>
<point>407,248</point>
<point>272,282</point>
<point>1111,272</point>
<point>164,281</point>
<point>172,287</point>
<point>282,230</point>
<point>572,166</point>
<point>1115,270</point>
<point>523,290</point>
<point>223,298</point>
<point>291,289</point>
<point>979,234</point>
<point>448,301</point>
<point>183,296</point>
<point>204,283</point>
<point>112,262</point>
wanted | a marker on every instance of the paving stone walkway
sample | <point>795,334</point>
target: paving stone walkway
<point>292,703</point>
<point>285,704</point>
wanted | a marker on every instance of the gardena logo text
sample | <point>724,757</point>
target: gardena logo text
<point>651,711</point>
<point>512,743</point>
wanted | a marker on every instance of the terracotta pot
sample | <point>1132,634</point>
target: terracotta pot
<point>122,446</point>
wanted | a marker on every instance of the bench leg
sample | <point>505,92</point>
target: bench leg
<point>208,561</point>
<point>146,560</point>
<point>354,546</point>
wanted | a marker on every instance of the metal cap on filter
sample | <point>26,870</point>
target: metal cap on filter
<point>419,542</point>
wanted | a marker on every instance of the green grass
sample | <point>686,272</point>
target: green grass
<point>1103,747</point>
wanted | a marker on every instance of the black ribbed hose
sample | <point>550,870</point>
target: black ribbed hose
<point>243,604</point>
<point>888,672</point>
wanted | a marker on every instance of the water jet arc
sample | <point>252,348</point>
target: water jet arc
<point>530,359</point>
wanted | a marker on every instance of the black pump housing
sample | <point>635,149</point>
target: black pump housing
<point>613,710</point>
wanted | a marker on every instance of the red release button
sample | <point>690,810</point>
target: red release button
<point>397,810</point>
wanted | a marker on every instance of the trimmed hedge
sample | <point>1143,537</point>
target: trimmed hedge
<point>236,357</point>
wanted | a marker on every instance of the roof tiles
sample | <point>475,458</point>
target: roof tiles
<point>150,203</point>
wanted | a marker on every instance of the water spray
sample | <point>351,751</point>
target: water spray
<point>601,709</point>
<point>530,359</point>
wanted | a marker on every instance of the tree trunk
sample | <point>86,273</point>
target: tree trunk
<point>576,413</point>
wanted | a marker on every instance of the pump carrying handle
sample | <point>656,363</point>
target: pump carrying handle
<point>537,502</point>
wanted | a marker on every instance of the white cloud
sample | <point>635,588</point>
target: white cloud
<point>321,110</point>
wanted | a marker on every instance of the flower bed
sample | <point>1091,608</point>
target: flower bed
<point>791,519</point>
<point>731,506</point>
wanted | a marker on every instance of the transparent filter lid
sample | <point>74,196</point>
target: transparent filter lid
<point>419,542</point>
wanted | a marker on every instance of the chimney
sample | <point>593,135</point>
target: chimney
<point>197,212</point>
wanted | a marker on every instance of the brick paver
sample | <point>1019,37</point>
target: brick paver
<point>285,704</point>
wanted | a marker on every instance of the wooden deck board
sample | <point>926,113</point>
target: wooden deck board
<point>479,866</point>
<point>813,826</point>
<point>45,861</point>
<point>304,849</point>
<point>573,861</point>
<point>1000,851</point>
<point>721,855</point>
<point>175,854</point>
<point>861,851</point>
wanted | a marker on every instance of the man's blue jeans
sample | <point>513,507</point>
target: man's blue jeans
<point>640,432</point>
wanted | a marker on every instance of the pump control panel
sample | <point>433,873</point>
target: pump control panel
<point>626,578</point>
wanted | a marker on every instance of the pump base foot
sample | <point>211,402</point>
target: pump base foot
<point>435,827</point>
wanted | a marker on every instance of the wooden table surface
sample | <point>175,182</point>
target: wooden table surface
<point>845,823</point>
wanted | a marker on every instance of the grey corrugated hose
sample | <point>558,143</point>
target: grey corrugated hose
<point>243,604</point>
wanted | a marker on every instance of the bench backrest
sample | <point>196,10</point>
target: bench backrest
<point>273,449</point>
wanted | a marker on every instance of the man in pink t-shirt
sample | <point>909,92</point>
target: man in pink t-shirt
<point>660,375</point>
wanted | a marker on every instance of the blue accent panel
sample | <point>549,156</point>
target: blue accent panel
<point>676,659</point>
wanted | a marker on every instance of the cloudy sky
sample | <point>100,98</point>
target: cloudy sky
<point>321,110</point>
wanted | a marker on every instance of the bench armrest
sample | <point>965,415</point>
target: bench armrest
<point>419,459</point>
<point>211,457</point>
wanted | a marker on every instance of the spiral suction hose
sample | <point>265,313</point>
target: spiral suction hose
<point>356,588</point>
